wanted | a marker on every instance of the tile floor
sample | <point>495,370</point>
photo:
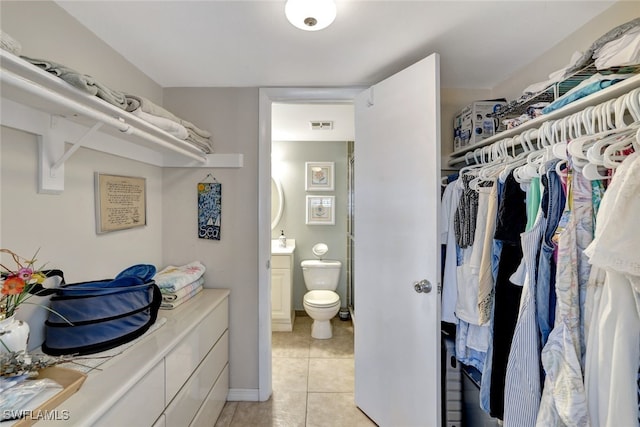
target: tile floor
<point>312,383</point>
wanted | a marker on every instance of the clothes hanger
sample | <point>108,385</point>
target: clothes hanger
<point>559,150</point>
<point>524,140</point>
<point>531,167</point>
<point>618,130</point>
<point>614,153</point>
<point>491,171</point>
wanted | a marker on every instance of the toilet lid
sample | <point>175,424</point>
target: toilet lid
<point>321,298</point>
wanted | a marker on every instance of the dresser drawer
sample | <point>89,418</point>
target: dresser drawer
<point>187,355</point>
<point>212,406</point>
<point>141,405</point>
<point>182,410</point>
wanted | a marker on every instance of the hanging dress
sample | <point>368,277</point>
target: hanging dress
<point>564,400</point>
<point>613,343</point>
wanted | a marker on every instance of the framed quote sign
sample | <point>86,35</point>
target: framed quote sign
<point>121,202</point>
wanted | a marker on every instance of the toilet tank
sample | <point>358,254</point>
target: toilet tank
<point>321,274</point>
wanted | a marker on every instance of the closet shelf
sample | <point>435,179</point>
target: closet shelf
<point>32,92</point>
<point>556,90</point>
<point>458,157</point>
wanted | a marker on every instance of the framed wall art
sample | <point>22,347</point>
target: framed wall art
<point>321,210</point>
<point>319,176</point>
<point>121,202</point>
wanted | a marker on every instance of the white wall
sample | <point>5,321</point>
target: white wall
<point>63,226</point>
<point>290,122</point>
<point>288,164</point>
<point>46,31</point>
<point>232,116</point>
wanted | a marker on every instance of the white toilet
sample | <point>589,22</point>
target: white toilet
<point>321,302</point>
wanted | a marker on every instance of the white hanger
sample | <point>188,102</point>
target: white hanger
<point>611,157</point>
<point>523,140</point>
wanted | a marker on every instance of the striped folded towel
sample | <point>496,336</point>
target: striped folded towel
<point>172,278</point>
<point>170,305</point>
<point>172,296</point>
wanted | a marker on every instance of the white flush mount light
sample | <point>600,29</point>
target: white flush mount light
<point>310,15</point>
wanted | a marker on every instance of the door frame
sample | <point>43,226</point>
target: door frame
<point>267,97</point>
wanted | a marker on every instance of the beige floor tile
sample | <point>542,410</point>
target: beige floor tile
<point>255,414</point>
<point>288,344</point>
<point>229,409</point>
<point>289,408</point>
<point>302,325</point>
<point>336,347</point>
<point>335,409</point>
<point>290,374</point>
<point>342,327</point>
<point>331,375</point>
<point>284,409</point>
<point>312,382</point>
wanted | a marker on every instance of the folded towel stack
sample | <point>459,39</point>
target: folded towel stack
<point>138,106</point>
<point>84,82</point>
<point>164,119</point>
<point>179,284</point>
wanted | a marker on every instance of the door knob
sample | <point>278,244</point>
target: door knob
<point>422,286</point>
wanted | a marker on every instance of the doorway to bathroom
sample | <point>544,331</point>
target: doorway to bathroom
<point>301,148</point>
<point>311,149</point>
<point>398,247</point>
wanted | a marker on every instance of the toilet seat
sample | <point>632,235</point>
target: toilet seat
<point>321,298</point>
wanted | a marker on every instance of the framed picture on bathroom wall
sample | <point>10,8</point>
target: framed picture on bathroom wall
<point>321,210</point>
<point>319,176</point>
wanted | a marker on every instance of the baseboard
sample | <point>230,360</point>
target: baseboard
<point>243,395</point>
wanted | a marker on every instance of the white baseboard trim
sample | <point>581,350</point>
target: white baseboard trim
<point>243,395</point>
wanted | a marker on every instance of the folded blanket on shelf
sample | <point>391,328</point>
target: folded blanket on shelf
<point>611,35</point>
<point>174,278</point>
<point>587,87</point>
<point>135,102</point>
<point>81,81</point>
<point>172,296</point>
<point>174,128</point>
<point>170,305</point>
<point>203,143</point>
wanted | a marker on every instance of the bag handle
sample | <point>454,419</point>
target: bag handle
<point>41,291</point>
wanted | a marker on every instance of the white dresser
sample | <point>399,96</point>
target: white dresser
<point>177,376</point>
<point>282,313</point>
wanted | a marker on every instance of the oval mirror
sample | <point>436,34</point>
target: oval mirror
<point>277,202</point>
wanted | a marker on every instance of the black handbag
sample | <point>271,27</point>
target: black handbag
<point>90,317</point>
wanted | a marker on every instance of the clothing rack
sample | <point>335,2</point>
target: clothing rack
<point>559,121</point>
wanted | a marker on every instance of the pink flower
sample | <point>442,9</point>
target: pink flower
<point>25,273</point>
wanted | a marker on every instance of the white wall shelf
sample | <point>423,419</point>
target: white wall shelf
<point>40,103</point>
<point>457,157</point>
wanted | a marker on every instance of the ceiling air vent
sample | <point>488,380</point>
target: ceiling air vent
<point>321,125</point>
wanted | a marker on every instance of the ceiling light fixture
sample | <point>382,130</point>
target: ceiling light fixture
<point>310,15</point>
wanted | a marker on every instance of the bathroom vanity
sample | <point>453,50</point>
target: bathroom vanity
<point>176,376</point>
<point>282,313</point>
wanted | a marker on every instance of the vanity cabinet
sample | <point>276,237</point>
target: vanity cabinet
<point>177,376</point>
<point>282,313</point>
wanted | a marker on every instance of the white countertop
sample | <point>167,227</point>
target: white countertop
<point>276,249</point>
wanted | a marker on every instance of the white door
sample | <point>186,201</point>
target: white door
<point>397,205</point>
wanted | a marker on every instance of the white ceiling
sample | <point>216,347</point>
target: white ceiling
<point>250,43</point>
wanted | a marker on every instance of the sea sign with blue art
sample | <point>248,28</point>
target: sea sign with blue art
<point>209,210</point>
